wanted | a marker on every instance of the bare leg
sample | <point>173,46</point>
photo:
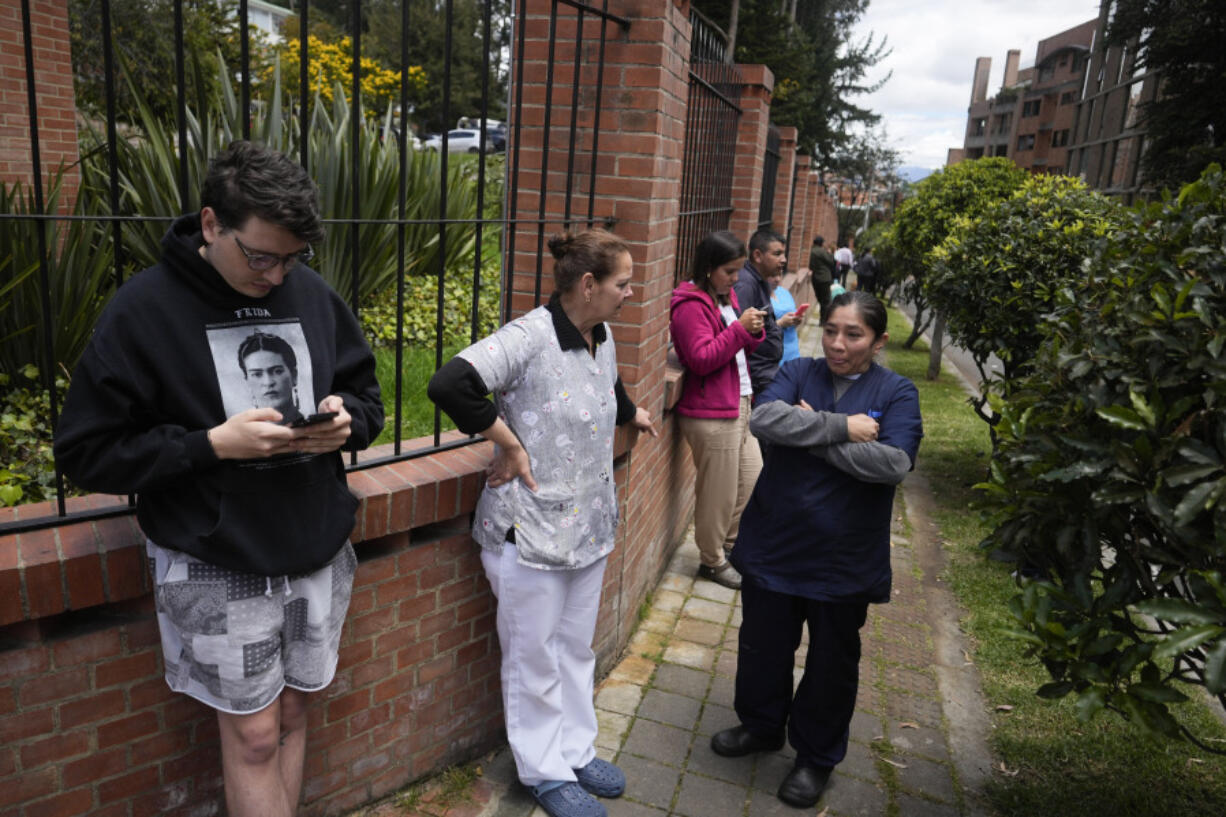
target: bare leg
<point>293,743</point>
<point>262,757</point>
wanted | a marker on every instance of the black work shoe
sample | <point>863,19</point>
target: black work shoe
<point>724,574</point>
<point>739,741</point>
<point>804,785</point>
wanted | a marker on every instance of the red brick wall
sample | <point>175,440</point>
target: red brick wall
<point>57,134</point>
<point>802,230</point>
<point>783,191</point>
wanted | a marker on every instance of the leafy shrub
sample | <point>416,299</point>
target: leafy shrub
<point>998,270</point>
<point>27,472</point>
<point>1111,471</point>
<point>148,179</point>
<point>80,267</point>
<point>421,307</point>
<point>924,220</point>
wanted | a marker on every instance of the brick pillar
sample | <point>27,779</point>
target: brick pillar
<point>56,107</point>
<point>783,184</point>
<point>637,184</point>
<point>756,91</point>
<point>802,233</point>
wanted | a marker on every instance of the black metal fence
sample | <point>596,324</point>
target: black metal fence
<point>356,234</point>
<point>712,116</point>
<point>770,169</point>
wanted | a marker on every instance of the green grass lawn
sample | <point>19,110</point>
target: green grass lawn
<point>417,417</point>
<point>1054,765</point>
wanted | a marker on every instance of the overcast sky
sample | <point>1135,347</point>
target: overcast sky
<point>935,44</point>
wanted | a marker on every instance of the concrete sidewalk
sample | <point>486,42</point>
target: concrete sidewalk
<point>918,738</point>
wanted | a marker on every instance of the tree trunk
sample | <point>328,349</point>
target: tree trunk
<point>934,356</point>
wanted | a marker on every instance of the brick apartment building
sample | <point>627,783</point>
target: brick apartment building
<point>1030,119</point>
<point>1074,112</point>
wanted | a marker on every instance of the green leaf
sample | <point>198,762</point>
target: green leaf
<point>1178,611</point>
<point>1157,693</point>
<point>1142,408</point>
<point>1183,474</point>
<point>1122,417</point>
<point>10,495</point>
<point>1185,639</point>
<point>1055,689</point>
<point>1215,668</point>
<point>1195,501</point>
<point>1089,703</point>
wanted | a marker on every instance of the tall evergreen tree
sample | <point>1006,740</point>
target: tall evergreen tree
<point>819,66</point>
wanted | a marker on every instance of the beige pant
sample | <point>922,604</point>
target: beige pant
<point>727,459</point>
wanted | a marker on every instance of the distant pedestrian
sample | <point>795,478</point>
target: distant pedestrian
<point>787,316</point>
<point>767,257</point>
<point>866,272</point>
<point>814,543</point>
<point>844,261</point>
<point>822,265</point>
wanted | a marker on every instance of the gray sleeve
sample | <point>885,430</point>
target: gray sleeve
<point>781,424</point>
<point>867,462</point>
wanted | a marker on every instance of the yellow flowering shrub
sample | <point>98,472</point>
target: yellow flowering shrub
<point>330,63</point>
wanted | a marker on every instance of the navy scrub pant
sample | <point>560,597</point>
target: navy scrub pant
<point>819,713</point>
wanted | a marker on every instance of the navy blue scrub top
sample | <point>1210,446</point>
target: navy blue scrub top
<point>810,529</point>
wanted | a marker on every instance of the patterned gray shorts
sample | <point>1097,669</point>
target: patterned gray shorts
<point>236,640</point>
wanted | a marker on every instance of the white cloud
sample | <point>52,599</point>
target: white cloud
<point>934,46</point>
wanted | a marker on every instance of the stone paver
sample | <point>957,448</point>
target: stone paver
<point>669,707</point>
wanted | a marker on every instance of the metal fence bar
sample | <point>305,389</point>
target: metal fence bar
<point>712,114</point>
<point>544,191</point>
<point>770,168</point>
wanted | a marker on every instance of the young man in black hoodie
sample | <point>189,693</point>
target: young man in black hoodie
<point>184,397</point>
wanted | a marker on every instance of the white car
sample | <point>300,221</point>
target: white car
<point>459,141</point>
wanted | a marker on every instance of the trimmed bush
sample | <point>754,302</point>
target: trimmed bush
<point>998,271</point>
<point>1111,470</point>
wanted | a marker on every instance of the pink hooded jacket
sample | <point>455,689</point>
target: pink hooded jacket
<point>707,348</point>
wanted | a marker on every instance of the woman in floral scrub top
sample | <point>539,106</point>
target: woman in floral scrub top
<point>547,516</point>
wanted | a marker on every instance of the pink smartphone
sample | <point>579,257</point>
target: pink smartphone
<point>800,310</point>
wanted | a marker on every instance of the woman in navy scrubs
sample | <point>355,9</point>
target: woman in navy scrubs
<point>814,543</point>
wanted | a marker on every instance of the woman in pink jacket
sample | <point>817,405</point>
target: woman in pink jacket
<point>712,338</point>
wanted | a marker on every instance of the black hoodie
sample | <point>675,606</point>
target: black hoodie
<point>163,368</point>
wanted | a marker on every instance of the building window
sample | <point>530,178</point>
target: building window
<point>1025,141</point>
<point>978,126</point>
<point>1121,76</point>
<point>1046,72</point>
<point>1122,166</point>
<point>1031,107</point>
<point>1059,138</point>
<point>1068,98</point>
<point>1132,109</point>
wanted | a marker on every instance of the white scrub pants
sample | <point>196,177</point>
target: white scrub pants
<point>546,621</point>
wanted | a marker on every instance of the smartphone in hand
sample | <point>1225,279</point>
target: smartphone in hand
<point>312,419</point>
<point>800,310</point>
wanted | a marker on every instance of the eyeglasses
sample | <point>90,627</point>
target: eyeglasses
<point>260,261</point>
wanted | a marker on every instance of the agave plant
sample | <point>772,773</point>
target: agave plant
<point>147,177</point>
<point>79,277</point>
